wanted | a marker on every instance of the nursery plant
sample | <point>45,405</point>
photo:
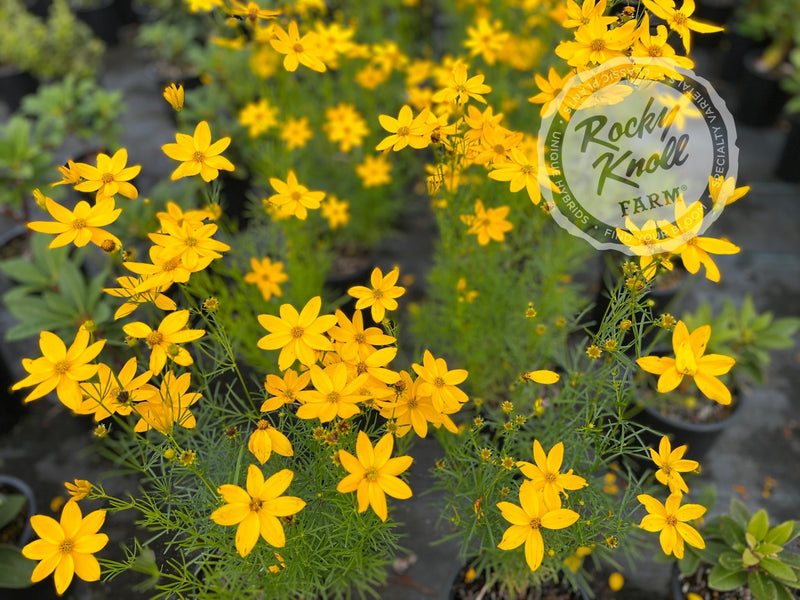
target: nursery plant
<point>266,416</point>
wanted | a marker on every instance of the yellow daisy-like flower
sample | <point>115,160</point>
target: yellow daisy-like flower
<point>527,521</point>
<point>174,95</point>
<point>109,177</point>
<point>293,198</point>
<point>198,155</point>
<point>671,464</point>
<point>546,474</point>
<point>61,369</point>
<point>296,133</point>
<point>164,341</point>
<point>405,130</point>
<point>352,336</point>
<point>373,474</point>
<point>595,43</point>
<point>679,19</point>
<point>550,89</point>
<point>381,297</point>
<point>335,211</point>
<point>298,335</point>
<point>66,547</point>
<point>461,88</point>
<point>168,406</point>
<point>251,11</point>
<point>520,172</point>
<point>670,519</point>
<point>334,394</point>
<point>256,509</point>
<point>115,393</point>
<point>258,117</point>
<point>690,361</point>
<point>268,276</point>
<point>265,439</point>
<point>284,389</point>
<point>82,225</point>
<point>78,490</point>
<point>488,223</point>
<point>440,384</point>
<point>298,50</point>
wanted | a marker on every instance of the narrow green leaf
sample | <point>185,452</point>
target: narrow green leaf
<point>758,525</point>
<point>722,580</point>
<point>778,569</point>
<point>780,533</point>
<point>761,586</point>
<point>15,569</point>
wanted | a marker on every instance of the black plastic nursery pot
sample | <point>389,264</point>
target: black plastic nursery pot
<point>15,85</point>
<point>761,97</point>
<point>104,20</point>
<point>18,532</point>
<point>788,168</point>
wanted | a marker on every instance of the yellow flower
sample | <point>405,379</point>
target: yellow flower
<point>382,295</point>
<point>670,519</point>
<point>528,519</point>
<point>343,124</point>
<point>520,172</point>
<point>284,390</point>
<point>298,50</point>
<point>259,117</point>
<point>252,11</point>
<point>82,225</point>
<point>174,95</point>
<point>256,509</point>
<point>581,15</point>
<point>460,88</point>
<point>616,581</point>
<point>78,490</point>
<point>671,464</point>
<point>545,475</point>
<point>61,369</point>
<point>265,439</point>
<point>192,245</point>
<point>440,384</point>
<point>163,342</point>
<point>202,5</point>
<point>168,406</point>
<point>335,211</point>
<point>115,393</point>
<point>410,409</point>
<point>656,46</point>
<point>724,191</point>
<point>296,133</point>
<point>374,171</point>
<point>543,376</point>
<point>334,395</point>
<point>550,89</point>
<point>486,39</point>
<point>679,19</point>
<point>405,130</point>
<point>268,276</point>
<point>110,177</point>
<point>373,474</point>
<point>294,198</point>
<point>297,334</point>
<point>198,155</point>
<point>352,337</point>
<point>488,224</point>
<point>69,175</point>
<point>66,548</point>
<point>690,361</point>
<point>130,290</point>
<point>594,43</point>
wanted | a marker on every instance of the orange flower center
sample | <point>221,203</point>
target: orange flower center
<point>536,523</point>
<point>360,338</point>
<point>262,425</point>
<point>361,368</point>
<point>412,403</point>
<point>371,474</point>
<point>378,294</point>
<point>672,520</point>
<point>297,332</point>
<point>333,397</point>
<point>679,18</point>
<point>550,477</point>
<point>403,131</point>
<point>61,367</point>
<point>191,242</point>
<point>171,264</point>
<point>198,156</point>
<point>79,223</point>
<point>108,178</point>
<point>500,149</point>
<point>527,169</point>
<point>154,338</point>
<point>655,50</point>
<point>296,196</point>
<point>598,45</point>
<point>65,546</point>
<point>255,504</point>
<point>438,382</point>
<point>298,48</point>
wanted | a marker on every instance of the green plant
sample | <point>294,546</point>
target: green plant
<point>23,36</point>
<point>52,294</point>
<point>744,553</point>
<point>745,334</point>
<point>15,570</point>
<point>75,106</point>
<point>791,84</point>
<point>773,22</point>
<point>25,163</point>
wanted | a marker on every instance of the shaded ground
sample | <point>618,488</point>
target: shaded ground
<point>49,447</point>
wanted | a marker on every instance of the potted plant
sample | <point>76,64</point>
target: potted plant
<point>25,163</point>
<point>761,96</point>
<point>743,558</point>
<point>17,504</point>
<point>20,48</point>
